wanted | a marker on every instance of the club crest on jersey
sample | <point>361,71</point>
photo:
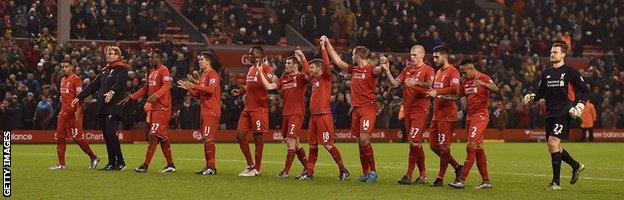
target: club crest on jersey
<point>455,81</point>
<point>562,76</point>
<point>470,89</point>
<point>212,81</point>
<point>167,78</point>
<point>359,75</point>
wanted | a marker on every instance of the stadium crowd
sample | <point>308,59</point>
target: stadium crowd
<point>94,20</point>
<point>225,23</point>
<point>529,27</point>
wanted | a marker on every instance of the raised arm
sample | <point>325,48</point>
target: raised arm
<point>265,82</point>
<point>335,57</point>
<point>386,67</point>
<point>304,62</point>
<point>325,57</point>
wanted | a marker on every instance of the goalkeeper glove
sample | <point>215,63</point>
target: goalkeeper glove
<point>576,111</point>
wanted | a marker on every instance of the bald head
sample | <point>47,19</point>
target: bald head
<point>417,55</point>
<point>417,49</point>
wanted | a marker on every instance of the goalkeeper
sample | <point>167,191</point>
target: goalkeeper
<point>565,91</point>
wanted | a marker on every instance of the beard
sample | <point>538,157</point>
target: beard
<point>554,60</point>
<point>438,64</point>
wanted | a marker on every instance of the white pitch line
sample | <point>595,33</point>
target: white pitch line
<point>327,164</point>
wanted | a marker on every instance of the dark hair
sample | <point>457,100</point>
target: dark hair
<point>207,55</point>
<point>294,59</point>
<point>562,45</point>
<point>314,61</point>
<point>257,51</point>
<point>466,62</point>
<point>67,60</point>
<point>442,50</point>
<point>158,52</point>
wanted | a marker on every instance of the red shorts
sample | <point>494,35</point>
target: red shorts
<point>255,121</point>
<point>209,126</point>
<point>415,125</point>
<point>291,125</point>
<point>321,130</point>
<point>67,127</point>
<point>476,129</point>
<point>441,133</point>
<point>159,122</point>
<point>363,120</point>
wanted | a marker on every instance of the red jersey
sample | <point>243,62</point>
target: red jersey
<point>320,99</point>
<point>159,84</point>
<point>257,98</point>
<point>446,83</point>
<point>71,86</point>
<point>477,96</point>
<point>293,90</point>
<point>363,83</point>
<point>415,98</point>
<point>208,91</point>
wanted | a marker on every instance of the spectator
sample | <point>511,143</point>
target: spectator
<point>609,118</point>
<point>308,24</point>
<point>43,114</point>
<point>189,114</point>
<point>587,127</point>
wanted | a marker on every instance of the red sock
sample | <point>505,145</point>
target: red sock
<point>470,159</point>
<point>84,146</point>
<point>482,165</point>
<point>302,157</point>
<point>445,159</point>
<point>165,146</point>
<point>312,160</point>
<point>370,156</point>
<point>290,155</point>
<point>337,158</point>
<point>420,161</point>
<point>150,150</point>
<point>452,160</point>
<point>258,151</point>
<point>244,146</point>
<point>411,161</point>
<point>60,150</point>
<point>363,161</point>
<point>209,154</point>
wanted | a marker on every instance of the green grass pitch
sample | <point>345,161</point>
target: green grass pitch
<point>517,171</point>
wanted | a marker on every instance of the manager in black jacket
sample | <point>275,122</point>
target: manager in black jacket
<point>109,88</point>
